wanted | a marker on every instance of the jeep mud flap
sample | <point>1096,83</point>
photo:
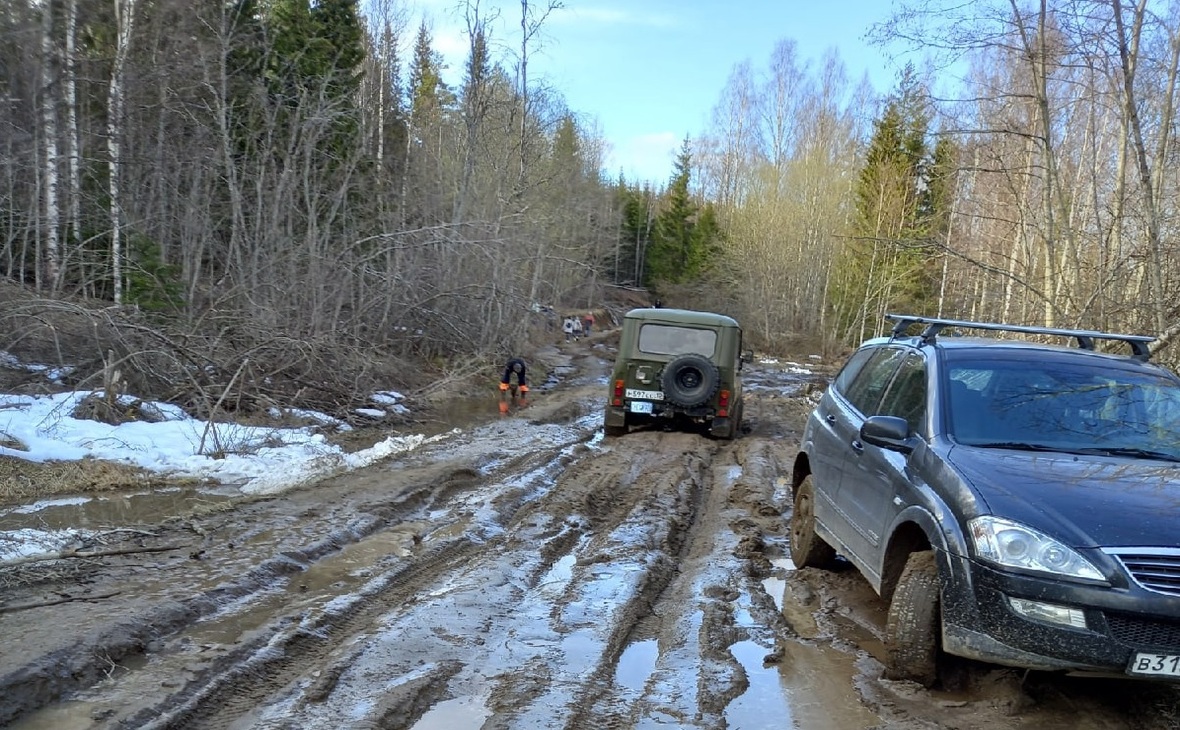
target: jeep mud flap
<point>615,417</point>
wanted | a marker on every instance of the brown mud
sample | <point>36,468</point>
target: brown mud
<point>520,573</point>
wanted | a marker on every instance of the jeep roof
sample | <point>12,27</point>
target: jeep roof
<point>682,316</point>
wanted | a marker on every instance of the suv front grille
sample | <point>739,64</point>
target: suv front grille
<point>1154,571</point>
<point>1144,633</point>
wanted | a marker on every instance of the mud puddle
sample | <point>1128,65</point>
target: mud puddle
<point>96,512</point>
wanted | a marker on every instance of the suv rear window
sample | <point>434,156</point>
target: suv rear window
<point>666,339</point>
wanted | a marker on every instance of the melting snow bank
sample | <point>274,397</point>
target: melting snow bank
<point>16,545</point>
<point>319,466</point>
<point>296,470</point>
<point>264,459</point>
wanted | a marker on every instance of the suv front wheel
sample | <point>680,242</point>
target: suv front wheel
<point>911,632</point>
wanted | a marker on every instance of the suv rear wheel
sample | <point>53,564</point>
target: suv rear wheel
<point>911,632</point>
<point>808,550</point>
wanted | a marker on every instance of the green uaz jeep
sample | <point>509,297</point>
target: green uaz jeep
<point>677,367</point>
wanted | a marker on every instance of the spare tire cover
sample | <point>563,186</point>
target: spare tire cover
<point>690,380</point>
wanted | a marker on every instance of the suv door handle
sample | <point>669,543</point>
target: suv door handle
<point>831,418</point>
<point>857,445</point>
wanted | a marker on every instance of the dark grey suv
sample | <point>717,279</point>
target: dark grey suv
<point>1016,502</point>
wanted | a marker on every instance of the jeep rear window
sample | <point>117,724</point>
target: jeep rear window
<point>665,339</point>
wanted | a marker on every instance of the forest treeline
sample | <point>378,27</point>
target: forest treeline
<point>286,198</point>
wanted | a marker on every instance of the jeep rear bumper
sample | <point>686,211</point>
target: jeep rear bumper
<point>622,415</point>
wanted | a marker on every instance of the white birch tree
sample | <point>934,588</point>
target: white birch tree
<point>116,95</point>
<point>51,174</point>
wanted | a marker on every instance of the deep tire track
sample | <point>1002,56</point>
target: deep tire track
<point>279,655</point>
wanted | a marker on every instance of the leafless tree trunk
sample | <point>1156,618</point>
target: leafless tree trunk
<point>1128,46</point>
<point>124,19</point>
<point>49,139</point>
<point>72,134</point>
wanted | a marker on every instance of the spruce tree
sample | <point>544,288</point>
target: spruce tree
<point>635,232</point>
<point>889,263</point>
<point>426,85</point>
<point>683,240</point>
<point>338,25</point>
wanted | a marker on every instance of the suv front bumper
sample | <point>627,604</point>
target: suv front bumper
<point>979,621</point>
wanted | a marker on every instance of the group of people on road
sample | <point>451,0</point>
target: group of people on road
<point>574,326</point>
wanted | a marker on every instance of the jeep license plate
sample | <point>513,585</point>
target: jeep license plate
<point>640,406</point>
<point>1160,665</point>
<point>644,394</point>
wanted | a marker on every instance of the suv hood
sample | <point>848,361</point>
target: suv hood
<point>1085,500</point>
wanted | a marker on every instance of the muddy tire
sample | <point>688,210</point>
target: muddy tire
<point>690,381</point>
<point>911,633</point>
<point>808,550</point>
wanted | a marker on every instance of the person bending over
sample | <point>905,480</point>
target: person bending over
<point>516,367</point>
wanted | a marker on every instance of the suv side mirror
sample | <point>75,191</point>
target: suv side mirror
<point>888,432</point>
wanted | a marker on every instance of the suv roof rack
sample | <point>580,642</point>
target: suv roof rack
<point>1085,338</point>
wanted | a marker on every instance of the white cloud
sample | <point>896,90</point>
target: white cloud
<point>645,157</point>
<point>452,44</point>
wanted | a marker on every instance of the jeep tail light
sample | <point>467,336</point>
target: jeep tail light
<point>723,404</point>
<point>618,397</point>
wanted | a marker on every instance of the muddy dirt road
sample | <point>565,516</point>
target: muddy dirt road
<point>520,573</point>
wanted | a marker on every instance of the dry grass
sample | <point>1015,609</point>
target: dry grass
<point>21,479</point>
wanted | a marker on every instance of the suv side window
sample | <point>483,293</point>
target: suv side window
<point>865,391</point>
<point>907,394</point>
<point>851,369</point>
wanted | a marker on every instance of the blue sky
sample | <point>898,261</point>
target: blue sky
<point>650,71</point>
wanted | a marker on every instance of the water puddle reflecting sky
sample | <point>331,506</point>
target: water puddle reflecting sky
<point>636,665</point>
<point>763,704</point>
<point>775,586</point>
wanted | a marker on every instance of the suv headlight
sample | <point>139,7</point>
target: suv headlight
<point>1013,545</point>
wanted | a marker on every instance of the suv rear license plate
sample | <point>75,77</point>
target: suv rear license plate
<point>645,394</point>
<point>1164,665</point>
<point>640,406</point>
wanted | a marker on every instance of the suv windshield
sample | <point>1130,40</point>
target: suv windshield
<point>1065,406</point>
<point>666,339</point>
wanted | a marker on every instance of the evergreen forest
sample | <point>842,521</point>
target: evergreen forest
<point>273,200</point>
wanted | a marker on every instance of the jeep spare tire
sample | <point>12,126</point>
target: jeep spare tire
<point>690,380</point>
